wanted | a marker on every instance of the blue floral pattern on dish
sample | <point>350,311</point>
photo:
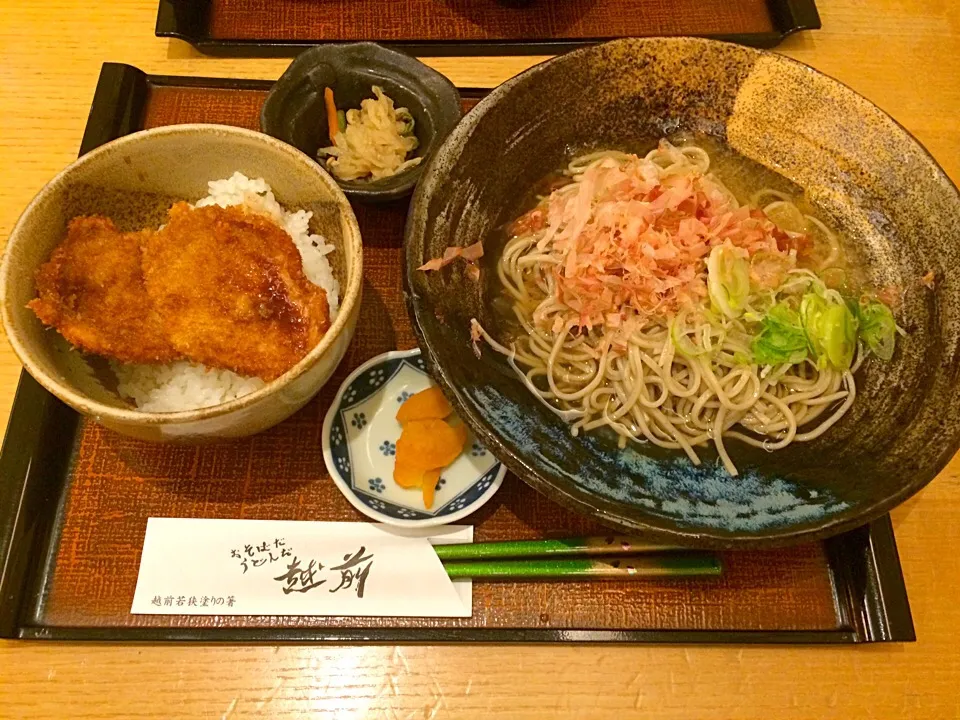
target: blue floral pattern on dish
<point>336,433</point>
<point>473,493</point>
<point>361,447</point>
<point>370,381</point>
<point>388,448</point>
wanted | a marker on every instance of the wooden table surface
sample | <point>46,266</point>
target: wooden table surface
<point>903,55</point>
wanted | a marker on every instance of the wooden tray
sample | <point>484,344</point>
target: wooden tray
<point>458,27</point>
<point>75,497</point>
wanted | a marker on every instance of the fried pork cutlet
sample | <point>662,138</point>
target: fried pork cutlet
<point>91,290</point>
<point>230,287</point>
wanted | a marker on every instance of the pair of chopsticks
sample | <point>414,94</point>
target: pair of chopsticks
<point>582,558</point>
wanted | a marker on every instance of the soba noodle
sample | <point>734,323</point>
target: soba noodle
<point>621,322</point>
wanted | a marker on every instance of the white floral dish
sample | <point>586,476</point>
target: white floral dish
<point>360,433</point>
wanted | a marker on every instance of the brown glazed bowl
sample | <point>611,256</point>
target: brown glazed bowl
<point>134,180</point>
<point>862,171</point>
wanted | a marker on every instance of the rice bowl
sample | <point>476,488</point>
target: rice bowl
<point>134,180</point>
<point>184,385</point>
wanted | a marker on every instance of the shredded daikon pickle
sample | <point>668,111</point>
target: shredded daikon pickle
<point>375,142</point>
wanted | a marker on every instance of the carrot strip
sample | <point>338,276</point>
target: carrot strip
<point>427,443</point>
<point>429,404</point>
<point>407,475</point>
<point>333,125</point>
<point>429,486</point>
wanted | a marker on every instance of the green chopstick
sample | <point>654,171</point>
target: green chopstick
<point>680,564</point>
<point>562,547</point>
<point>609,557</point>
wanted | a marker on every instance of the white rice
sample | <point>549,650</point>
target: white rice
<point>185,385</point>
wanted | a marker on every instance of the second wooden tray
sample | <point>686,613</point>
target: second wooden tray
<point>458,27</point>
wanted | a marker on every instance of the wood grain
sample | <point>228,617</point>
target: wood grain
<point>902,54</point>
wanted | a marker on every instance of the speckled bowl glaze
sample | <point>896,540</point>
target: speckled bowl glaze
<point>294,110</point>
<point>134,180</point>
<point>863,172</point>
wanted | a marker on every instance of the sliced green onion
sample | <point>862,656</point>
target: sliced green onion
<point>812,307</point>
<point>840,339</point>
<point>781,339</point>
<point>831,330</point>
<point>877,328</point>
<point>728,280</point>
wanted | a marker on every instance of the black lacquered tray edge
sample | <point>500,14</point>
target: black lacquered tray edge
<point>869,590</point>
<point>187,20</point>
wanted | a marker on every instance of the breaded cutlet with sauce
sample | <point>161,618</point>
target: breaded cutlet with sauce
<point>91,290</point>
<point>230,289</point>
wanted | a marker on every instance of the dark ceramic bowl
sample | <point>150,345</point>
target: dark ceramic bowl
<point>294,110</point>
<point>862,170</point>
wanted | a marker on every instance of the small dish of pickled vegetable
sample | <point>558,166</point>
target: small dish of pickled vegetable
<point>369,115</point>
<point>397,451</point>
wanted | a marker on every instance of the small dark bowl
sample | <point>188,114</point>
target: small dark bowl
<point>294,110</point>
<point>864,172</point>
